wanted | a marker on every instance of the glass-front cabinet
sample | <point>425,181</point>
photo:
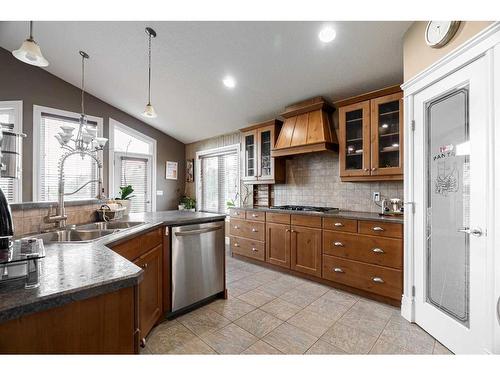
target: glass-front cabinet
<point>371,139</point>
<point>257,143</point>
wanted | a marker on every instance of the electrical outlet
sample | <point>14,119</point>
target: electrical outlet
<point>376,196</point>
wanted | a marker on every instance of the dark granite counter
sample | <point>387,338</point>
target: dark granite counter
<point>341,214</point>
<point>76,271</point>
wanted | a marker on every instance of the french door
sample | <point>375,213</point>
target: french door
<point>450,174</point>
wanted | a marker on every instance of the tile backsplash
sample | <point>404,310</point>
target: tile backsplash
<point>31,220</point>
<point>313,179</point>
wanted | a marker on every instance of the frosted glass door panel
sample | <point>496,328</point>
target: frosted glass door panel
<point>448,184</point>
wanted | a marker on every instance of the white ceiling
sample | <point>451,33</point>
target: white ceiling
<point>274,64</point>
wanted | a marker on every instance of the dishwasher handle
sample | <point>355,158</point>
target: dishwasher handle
<point>198,231</point>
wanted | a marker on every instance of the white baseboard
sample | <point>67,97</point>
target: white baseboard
<point>408,308</point>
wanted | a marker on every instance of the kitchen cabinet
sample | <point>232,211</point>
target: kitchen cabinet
<point>150,289</point>
<point>257,143</point>
<point>278,244</point>
<point>371,136</point>
<point>306,250</point>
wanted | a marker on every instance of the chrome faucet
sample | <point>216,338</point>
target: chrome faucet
<point>60,217</point>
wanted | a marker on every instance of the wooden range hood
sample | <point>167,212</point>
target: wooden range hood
<point>307,128</point>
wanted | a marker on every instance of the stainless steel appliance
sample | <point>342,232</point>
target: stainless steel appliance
<point>197,263</point>
<point>393,206</point>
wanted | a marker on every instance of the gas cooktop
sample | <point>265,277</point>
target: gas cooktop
<point>304,208</point>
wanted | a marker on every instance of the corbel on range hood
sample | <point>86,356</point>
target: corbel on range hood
<point>307,128</point>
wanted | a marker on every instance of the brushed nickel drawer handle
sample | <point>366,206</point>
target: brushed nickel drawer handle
<point>254,249</point>
<point>378,280</point>
<point>253,215</point>
<point>338,244</point>
<point>254,230</point>
<point>338,225</point>
<point>378,229</point>
<point>338,270</point>
<point>378,250</point>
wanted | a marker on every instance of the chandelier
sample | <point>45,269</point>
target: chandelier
<point>86,139</point>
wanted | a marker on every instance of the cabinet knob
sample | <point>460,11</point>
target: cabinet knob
<point>254,230</point>
<point>374,169</point>
<point>287,230</point>
<point>338,270</point>
<point>254,249</point>
<point>236,227</point>
<point>378,280</point>
<point>144,266</point>
<point>378,229</point>
<point>338,244</point>
<point>236,244</point>
<point>338,225</point>
<point>254,215</point>
<point>378,250</point>
<point>293,231</point>
<point>367,169</point>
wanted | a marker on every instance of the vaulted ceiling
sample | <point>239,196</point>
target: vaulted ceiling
<point>274,64</point>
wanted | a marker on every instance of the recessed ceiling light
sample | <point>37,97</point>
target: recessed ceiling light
<point>327,34</point>
<point>229,82</point>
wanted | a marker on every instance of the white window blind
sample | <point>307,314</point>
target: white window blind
<point>134,171</point>
<point>219,181</point>
<point>77,170</point>
<point>8,185</point>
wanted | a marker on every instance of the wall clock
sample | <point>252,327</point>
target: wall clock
<point>439,33</point>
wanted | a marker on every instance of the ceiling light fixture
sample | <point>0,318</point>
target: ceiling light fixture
<point>327,34</point>
<point>149,111</point>
<point>229,82</point>
<point>30,52</point>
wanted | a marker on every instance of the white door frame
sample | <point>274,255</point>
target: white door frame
<point>111,144</point>
<point>486,43</point>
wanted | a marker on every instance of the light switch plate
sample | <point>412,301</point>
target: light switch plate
<point>376,196</point>
<point>159,192</point>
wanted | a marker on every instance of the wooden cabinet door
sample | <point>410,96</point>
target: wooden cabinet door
<point>354,139</point>
<point>249,151</point>
<point>306,250</point>
<point>387,135</point>
<point>278,244</point>
<point>265,143</point>
<point>150,289</point>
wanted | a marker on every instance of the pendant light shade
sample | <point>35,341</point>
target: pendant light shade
<point>30,52</point>
<point>149,111</point>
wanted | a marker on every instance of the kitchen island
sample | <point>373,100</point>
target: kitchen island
<point>83,275</point>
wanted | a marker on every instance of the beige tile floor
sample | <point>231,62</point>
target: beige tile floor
<point>270,312</point>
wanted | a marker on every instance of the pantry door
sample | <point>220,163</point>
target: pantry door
<point>450,161</point>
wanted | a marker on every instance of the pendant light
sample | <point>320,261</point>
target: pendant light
<point>149,111</point>
<point>30,52</point>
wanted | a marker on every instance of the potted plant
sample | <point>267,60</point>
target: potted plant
<point>187,203</point>
<point>124,197</point>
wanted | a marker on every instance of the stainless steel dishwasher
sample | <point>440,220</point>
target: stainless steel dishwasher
<point>197,263</point>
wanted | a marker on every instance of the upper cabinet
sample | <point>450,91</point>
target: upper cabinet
<point>371,136</point>
<point>259,167</point>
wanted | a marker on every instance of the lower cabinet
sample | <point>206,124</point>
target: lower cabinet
<point>150,289</point>
<point>306,250</point>
<point>278,244</point>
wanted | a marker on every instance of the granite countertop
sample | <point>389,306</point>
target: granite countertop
<point>76,271</point>
<point>358,215</point>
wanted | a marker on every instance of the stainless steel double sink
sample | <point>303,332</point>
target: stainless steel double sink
<point>87,232</point>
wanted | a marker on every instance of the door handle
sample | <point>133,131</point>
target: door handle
<point>378,229</point>
<point>378,280</point>
<point>378,250</point>
<point>338,270</point>
<point>338,224</point>
<point>474,231</point>
<point>498,310</point>
<point>338,244</point>
<point>197,231</point>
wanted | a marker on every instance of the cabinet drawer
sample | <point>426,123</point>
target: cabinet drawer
<point>248,229</point>
<point>375,279</point>
<point>342,225</point>
<point>249,248</point>
<point>274,217</point>
<point>381,251</point>
<point>135,247</point>
<point>306,221</point>
<point>378,228</point>
<point>237,213</point>
<point>256,216</point>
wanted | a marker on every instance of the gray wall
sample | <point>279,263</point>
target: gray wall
<point>35,86</point>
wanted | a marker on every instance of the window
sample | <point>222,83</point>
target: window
<point>77,169</point>
<point>218,178</point>
<point>11,118</point>
<point>132,157</point>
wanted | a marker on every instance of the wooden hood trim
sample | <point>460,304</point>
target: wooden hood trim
<point>307,128</point>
